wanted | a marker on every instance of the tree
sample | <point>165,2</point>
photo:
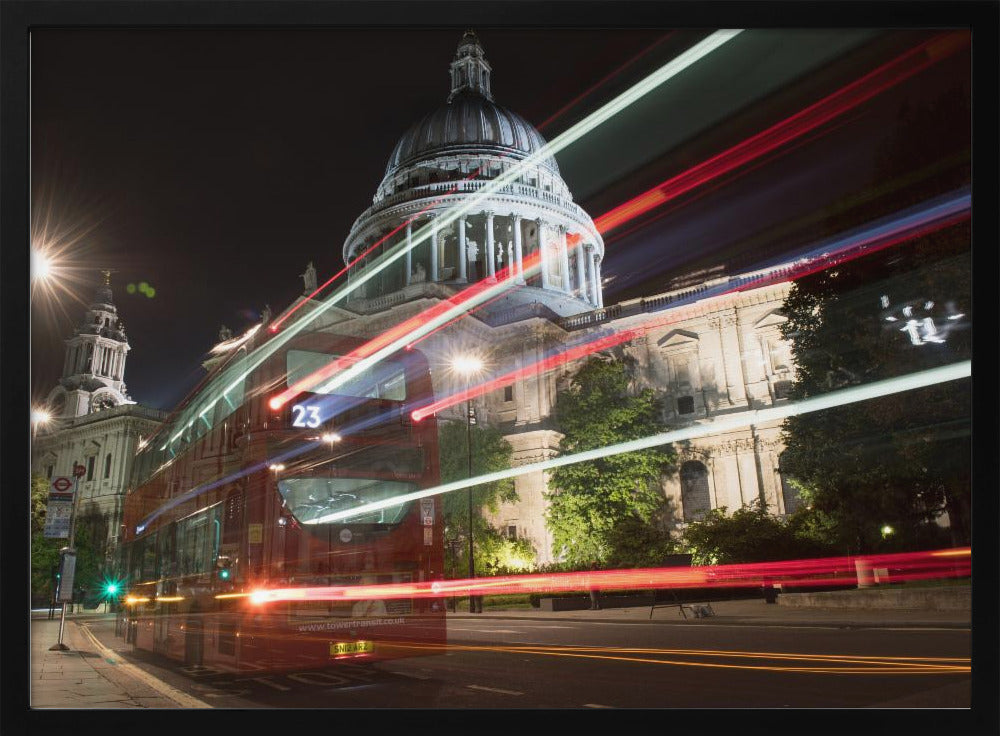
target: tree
<point>596,501</point>
<point>904,458</point>
<point>44,551</point>
<point>89,540</point>
<point>751,534</point>
<point>490,452</point>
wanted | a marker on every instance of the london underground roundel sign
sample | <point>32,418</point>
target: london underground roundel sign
<point>62,484</point>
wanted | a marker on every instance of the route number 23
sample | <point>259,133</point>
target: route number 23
<point>305,416</point>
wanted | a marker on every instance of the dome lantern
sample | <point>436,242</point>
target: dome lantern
<point>470,72</point>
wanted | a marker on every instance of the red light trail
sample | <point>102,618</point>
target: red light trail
<point>861,90</point>
<point>278,322</point>
<point>457,303</point>
<point>820,572</point>
<point>863,244</point>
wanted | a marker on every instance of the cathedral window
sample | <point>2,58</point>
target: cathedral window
<point>107,466</point>
<point>48,471</point>
<point>508,393</point>
<point>782,389</point>
<point>511,532</point>
<point>90,467</point>
<point>685,405</point>
<point>694,490</point>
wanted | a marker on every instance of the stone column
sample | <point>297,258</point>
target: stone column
<point>590,274</point>
<point>491,256</point>
<point>518,269</point>
<point>729,352</point>
<point>564,254</point>
<point>597,286</point>
<point>434,246</point>
<point>409,252</point>
<point>581,287</point>
<point>463,257</point>
<point>542,256</point>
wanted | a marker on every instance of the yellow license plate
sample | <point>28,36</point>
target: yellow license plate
<point>340,648</point>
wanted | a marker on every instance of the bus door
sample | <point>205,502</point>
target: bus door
<point>166,587</point>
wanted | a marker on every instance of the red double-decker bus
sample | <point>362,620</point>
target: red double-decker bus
<point>229,501</point>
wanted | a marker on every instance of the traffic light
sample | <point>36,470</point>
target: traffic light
<point>111,588</point>
<point>224,573</point>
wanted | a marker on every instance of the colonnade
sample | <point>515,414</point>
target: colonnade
<point>480,246</point>
<point>95,358</point>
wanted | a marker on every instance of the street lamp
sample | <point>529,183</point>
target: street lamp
<point>39,418</point>
<point>41,265</point>
<point>469,366</point>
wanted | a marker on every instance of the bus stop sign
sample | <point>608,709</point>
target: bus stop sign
<point>62,484</point>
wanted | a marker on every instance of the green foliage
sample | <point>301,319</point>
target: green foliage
<point>493,550</point>
<point>905,458</point>
<point>599,506</point>
<point>751,534</point>
<point>90,542</point>
<point>901,459</point>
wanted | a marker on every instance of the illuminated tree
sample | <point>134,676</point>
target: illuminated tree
<point>594,502</point>
<point>490,452</point>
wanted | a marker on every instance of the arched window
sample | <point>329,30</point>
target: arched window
<point>694,490</point>
<point>107,466</point>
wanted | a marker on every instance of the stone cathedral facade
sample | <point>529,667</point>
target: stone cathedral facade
<point>94,421</point>
<point>719,358</point>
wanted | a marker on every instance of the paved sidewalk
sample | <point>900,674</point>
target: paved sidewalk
<point>751,612</point>
<point>90,675</point>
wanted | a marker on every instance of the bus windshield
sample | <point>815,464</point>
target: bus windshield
<point>386,380</point>
<point>310,499</point>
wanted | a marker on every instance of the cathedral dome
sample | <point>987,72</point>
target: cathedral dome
<point>475,153</point>
<point>470,122</point>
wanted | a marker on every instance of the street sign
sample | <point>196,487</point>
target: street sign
<point>79,471</point>
<point>61,484</point>
<point>427,511</point>
<point>57,519</point>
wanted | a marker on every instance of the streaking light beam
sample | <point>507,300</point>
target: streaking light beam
<point>851,395</point>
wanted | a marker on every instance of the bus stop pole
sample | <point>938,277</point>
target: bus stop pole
<point>59,646</point>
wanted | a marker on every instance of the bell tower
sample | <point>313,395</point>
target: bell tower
<point>94,364</point>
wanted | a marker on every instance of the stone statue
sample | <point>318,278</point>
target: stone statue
<point>225,333</point>
<point>419,274</point>
<point>309,278</point>
<point>472,250</point>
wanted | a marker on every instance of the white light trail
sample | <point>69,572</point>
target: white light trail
<point>851,395</point>
<point>639,90</point>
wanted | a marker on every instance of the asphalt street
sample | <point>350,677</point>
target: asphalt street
<point>545,663</point>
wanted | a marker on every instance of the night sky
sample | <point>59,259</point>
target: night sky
<point>215,164</point>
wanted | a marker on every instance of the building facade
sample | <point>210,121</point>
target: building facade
<point>719,357</point>
<point>94,421</point>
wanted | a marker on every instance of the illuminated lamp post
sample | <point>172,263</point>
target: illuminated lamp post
<point>469,366</point>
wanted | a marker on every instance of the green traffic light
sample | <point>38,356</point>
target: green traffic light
<point>224,574</point>
<point>112,588</point>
